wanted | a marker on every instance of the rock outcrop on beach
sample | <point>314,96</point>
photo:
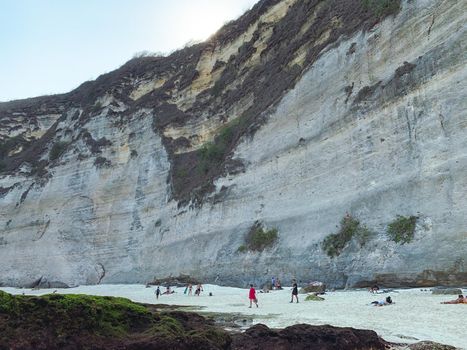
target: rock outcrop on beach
<point>285,120</point>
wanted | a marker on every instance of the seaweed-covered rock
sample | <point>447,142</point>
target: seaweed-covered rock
<point>313,297</point>
<point>81,322</point>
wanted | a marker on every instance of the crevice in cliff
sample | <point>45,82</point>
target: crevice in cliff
<point>102,273</point>
<point>43,230</point>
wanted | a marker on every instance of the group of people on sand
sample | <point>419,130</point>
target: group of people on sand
<point>388,301</point>
<point>275,283</point>
<point>254,300</point>
<point>189,289</point>
<point>158,292</point>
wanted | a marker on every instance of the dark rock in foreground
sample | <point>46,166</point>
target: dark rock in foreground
<point>303,336</point>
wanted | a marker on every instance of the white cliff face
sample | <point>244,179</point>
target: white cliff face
<point>377,127</point>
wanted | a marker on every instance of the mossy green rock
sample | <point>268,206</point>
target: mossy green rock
<point>313,297</point>
<point>80,321</point>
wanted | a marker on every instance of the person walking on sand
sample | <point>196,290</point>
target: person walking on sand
<point>252,296</point>
<point>157,292</point>
<point>294,292</point>
<point>190,289</point>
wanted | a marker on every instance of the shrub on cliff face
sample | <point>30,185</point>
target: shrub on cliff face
<point>213,153</point>
<point>57,150</point>
<point>259,239</point>
<point>382,8</point>
<point>402,229</point>
<point>350,228</point>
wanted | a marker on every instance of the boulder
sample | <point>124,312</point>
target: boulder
<point>446,291</point>
<point>42,282</point>
<point>180,281</point>
<point>313,287</point>
<point>429,345</point>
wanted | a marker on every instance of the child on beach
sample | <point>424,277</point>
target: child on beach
<point>252,296</point>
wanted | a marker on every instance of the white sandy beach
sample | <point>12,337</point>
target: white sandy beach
<point>417,315</point>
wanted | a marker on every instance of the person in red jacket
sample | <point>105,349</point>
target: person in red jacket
<point>252,296</point>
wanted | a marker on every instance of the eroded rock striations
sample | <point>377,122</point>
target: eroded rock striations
<point>291,116</point>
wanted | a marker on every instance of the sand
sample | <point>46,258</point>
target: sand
<point>416,315</point>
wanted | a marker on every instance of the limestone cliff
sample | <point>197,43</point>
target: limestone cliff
<point>290,117</point>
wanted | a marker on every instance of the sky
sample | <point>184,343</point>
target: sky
<point>52,46</point>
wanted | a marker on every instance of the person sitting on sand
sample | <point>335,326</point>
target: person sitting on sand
<point>387,301</point>
<point>460,300</point>
<point>168,291</point>
<point>374,289</point>
<point>278,284</point>
<point>252,296</point>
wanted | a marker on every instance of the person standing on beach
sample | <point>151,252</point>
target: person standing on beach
<point>252,296</point>
<point>199,289</point>
<point>273,282</point>
<point>157,292</point>
<point>190,289</point>
<point>294,292</point>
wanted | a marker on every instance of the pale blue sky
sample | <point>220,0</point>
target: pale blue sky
<point>52,46</point>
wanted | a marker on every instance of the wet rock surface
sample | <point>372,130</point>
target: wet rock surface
<point>309,337</point>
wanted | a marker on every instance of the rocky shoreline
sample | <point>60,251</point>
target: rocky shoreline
<point>57,321</point>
